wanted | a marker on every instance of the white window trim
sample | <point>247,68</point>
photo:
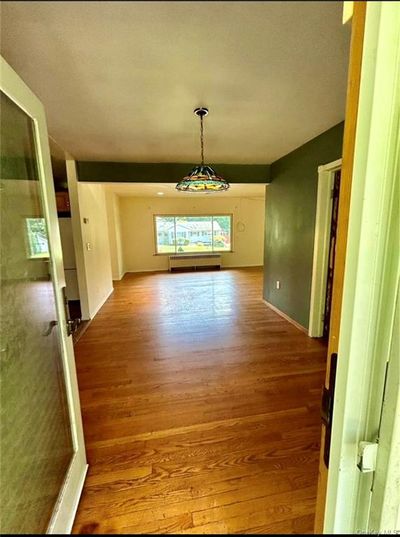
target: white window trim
<point>155,216</point>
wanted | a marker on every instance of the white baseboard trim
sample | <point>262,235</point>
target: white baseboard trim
<point>286,317</point>
<point>242,266</point>
<point>93,314</point>
<point>120,276</point>
<point>166,270</point>
<point>145,270</point>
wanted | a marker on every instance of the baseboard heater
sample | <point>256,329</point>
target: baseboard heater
<point>194,261</point>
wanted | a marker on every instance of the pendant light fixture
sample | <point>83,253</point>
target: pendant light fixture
<point>202,178</point>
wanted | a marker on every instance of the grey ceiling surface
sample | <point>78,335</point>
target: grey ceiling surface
<point>119,80</point>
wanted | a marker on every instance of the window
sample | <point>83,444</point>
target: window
<point>37,237</point>
<point>185,234</point>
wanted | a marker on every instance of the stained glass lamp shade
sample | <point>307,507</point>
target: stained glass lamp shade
<point>202,178</point>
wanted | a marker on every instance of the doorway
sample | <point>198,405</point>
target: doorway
<point>331,254</point>
<point>72,291</point>
<point>324,248</point>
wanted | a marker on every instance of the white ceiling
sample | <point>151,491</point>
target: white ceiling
<point>151,190</point>
<point>119,80</point>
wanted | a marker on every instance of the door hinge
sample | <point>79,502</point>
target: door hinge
<point>367,453</point>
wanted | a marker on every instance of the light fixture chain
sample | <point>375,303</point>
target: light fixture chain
<point>202,178</point>
<point>202,140</point>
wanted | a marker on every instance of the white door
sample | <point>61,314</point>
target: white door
<point>43,462</point>
<point>385,498</point>
<point>368,348</point>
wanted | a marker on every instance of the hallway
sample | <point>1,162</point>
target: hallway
<point>200,409</point>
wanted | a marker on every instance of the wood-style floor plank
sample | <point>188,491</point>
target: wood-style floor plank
<point>200,408</point>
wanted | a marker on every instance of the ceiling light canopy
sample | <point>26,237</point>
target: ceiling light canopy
<point>202,178</point>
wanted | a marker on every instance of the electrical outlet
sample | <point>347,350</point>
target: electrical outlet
<point>278,284</point>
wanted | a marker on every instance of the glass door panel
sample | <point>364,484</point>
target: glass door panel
<point>36,439</point>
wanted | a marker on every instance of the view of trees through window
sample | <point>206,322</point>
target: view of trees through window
<point>184,234</point>
<point>37,237</point>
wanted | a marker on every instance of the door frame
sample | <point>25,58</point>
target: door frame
<point>64,510</point>
<point>372,268</point>
<point>349,136</point>
<point>385,499</point>
<point>326,176</point>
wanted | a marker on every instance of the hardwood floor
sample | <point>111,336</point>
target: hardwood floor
<point>200,408</point>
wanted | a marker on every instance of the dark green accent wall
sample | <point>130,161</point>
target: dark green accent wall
<point>169,172</point>
<point>290,220</point>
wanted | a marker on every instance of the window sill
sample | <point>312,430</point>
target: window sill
<point>193,253</point>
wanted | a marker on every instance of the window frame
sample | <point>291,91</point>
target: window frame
<point>185,215</point>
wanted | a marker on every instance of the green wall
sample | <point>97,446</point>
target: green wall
<point>290,220</point>
<point>165,172</point>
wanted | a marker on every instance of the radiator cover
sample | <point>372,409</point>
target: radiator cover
<point>194,260</point>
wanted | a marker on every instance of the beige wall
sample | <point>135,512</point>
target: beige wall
<point>137,228</point>
<point>77,235</point>
<point>96,246</point>
<point>114,233</point>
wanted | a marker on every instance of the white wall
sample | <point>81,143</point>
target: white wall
<point>69,258</point>
<point>96,245</point>
<point>137,228</point>
<point>78,241</point>
<point>114,233</point>
<point>94,264</point>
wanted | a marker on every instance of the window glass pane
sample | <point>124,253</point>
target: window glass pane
<point>222,233</point>
<point>165,234</point>
<point>188,233</point>
<point>193,234</point>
